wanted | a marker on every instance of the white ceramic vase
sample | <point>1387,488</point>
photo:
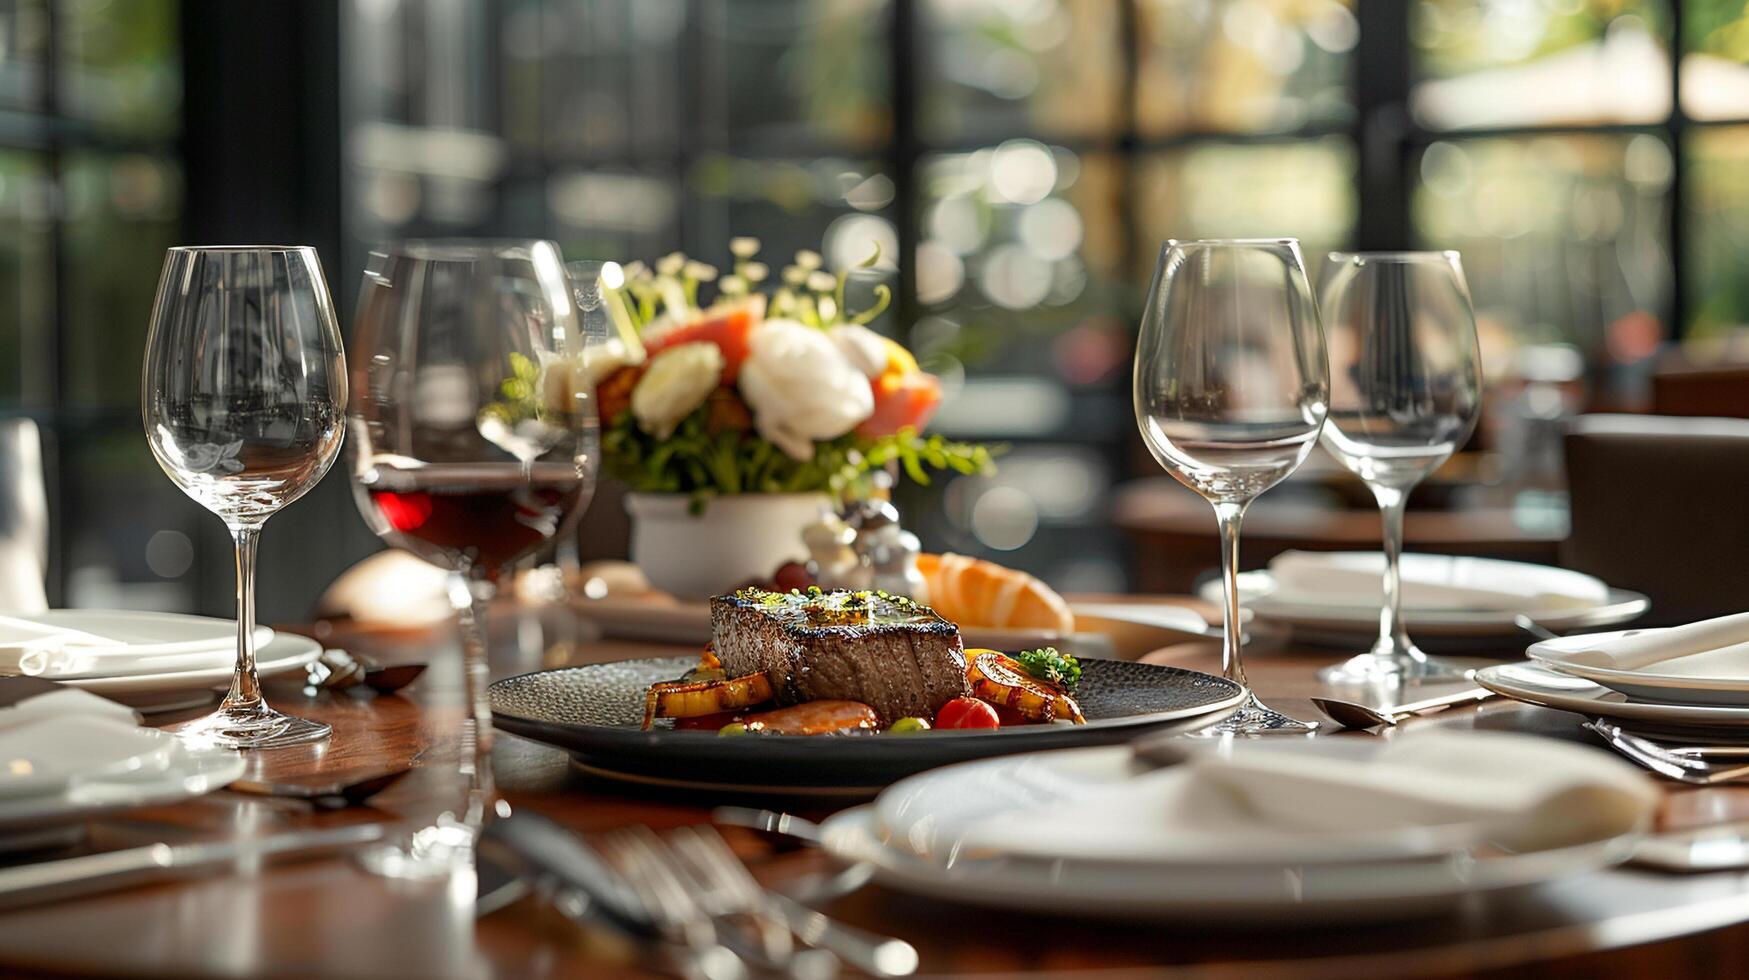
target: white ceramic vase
<point>737,539</point>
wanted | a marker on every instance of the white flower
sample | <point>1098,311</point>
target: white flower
<point>801,388</point>
<point>677,381</point>
<point>822,282</point>
<point>794,275</point>
<point>743,247</point>
<point>862,347</point>
<point>755,271</point>
<point>700,271</point>
<point>808,259</point>
<point>671,264</point>
<point>635,270</point>
<point>732,286</point>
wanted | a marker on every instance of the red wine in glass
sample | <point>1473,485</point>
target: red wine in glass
<point>476,517</point>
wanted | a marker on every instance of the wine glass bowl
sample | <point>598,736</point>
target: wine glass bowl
<point>474,443</point>
<point>1231,388</point>
<point>1406,390</point>
<point>243,394</point>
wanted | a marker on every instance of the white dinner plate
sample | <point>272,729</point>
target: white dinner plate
<point>1238,893</point>
<point>167,690</point>
<point>1348,621</point>
<point>182,772</point>
<point>1535,683</point>
<point>680,622</point>
<point>145,642</point>
<point>1645,684</point>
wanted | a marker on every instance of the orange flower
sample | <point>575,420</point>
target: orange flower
<point>614,394</point>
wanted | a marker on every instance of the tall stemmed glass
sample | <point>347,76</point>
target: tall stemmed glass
<point>1406,388</point>
<point>474,442</point>
<point>242,395</point>
<point>1230,386</point>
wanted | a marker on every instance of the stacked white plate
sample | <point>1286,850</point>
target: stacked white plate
<point>67,755</point>
<point>153,661</point>
<point>1332,830</point>
<point>1338,595</point>
<point>1687,677</point>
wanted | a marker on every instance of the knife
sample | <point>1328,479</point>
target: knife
<point>48,881</point>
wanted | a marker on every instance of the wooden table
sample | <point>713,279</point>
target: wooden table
<point>1175,535</point>
<point>324,918</point>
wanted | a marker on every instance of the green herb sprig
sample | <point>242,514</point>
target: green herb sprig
<point>1052,667</point>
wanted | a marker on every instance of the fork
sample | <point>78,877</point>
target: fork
<point>665,896</point>
<point>1687,764</point>
<point>711,856</point>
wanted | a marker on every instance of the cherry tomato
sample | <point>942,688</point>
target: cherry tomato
<point>967,713</point>
<point>791,575</point>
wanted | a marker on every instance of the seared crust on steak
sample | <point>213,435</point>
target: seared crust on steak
<point>894,655</point>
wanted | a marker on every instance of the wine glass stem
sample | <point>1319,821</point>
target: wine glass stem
<point>469,596</point>
<point>1229,514</point>
<point>245,686</point>
<point>1393,635</point>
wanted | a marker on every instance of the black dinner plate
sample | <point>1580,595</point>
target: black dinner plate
<point>594,713</point>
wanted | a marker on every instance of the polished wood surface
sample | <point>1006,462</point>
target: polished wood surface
<point>1176,537</point>
<point>324,918</point>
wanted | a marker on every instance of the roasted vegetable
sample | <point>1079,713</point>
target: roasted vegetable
<point>966,713</point>
<point>689,699</point>
<point>1054,668</point>
<point>815,718</point>
<point>908,726</point>
<point>999,679</point>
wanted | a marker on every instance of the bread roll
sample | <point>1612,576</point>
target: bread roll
<point>973,592</point>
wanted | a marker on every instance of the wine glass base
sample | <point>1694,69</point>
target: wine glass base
<point>255,726</point>
<point>1397,670</point>
<point>1255,718</point>
<point>428,854</point>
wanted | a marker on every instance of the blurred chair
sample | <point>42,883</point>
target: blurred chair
<point>1660,506</point>
<point>24,518</point>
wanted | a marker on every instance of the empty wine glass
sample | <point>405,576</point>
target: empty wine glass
<point>474,443</point>
<point>1230,388</point>
<point>1406,386</point>
<point>243,395</point>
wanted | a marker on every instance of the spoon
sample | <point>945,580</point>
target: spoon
<point>325,796</point>
<point>1534,628</point>
<point>1350,714</point>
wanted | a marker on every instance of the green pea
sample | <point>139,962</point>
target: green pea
<point>733,728</point>
<point>908,726</point>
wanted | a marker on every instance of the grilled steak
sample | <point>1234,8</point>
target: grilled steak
<point>892,654</point>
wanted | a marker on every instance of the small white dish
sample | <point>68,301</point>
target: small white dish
<point>1662,682</point>
<point>1536,683</point>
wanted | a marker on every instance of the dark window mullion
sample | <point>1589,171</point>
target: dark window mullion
<point>1675,197</point>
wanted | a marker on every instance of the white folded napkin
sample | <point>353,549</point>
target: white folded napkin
<point>1443,582</point>
<point>1431,792</point>
<point>53,736</point>
<point>1710,648</point>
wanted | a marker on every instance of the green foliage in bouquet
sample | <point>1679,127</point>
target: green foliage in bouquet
<point>697,461</point>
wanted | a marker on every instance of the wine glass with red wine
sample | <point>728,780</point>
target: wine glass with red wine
<point>474,443</point>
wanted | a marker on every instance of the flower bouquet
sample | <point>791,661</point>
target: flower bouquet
<point>735,423</point>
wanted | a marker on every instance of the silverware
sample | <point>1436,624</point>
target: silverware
<point>668,902</point>
<point>1350,714</point>
<point>1534,628</point>
<point>91,873</point>
<point>768,822</point>
<point>881,956</point>
<point>1687,764</point>
<point>325,796</point>
<point>338,670</point>
<point>1723,847</point>
<point>554,858</point>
